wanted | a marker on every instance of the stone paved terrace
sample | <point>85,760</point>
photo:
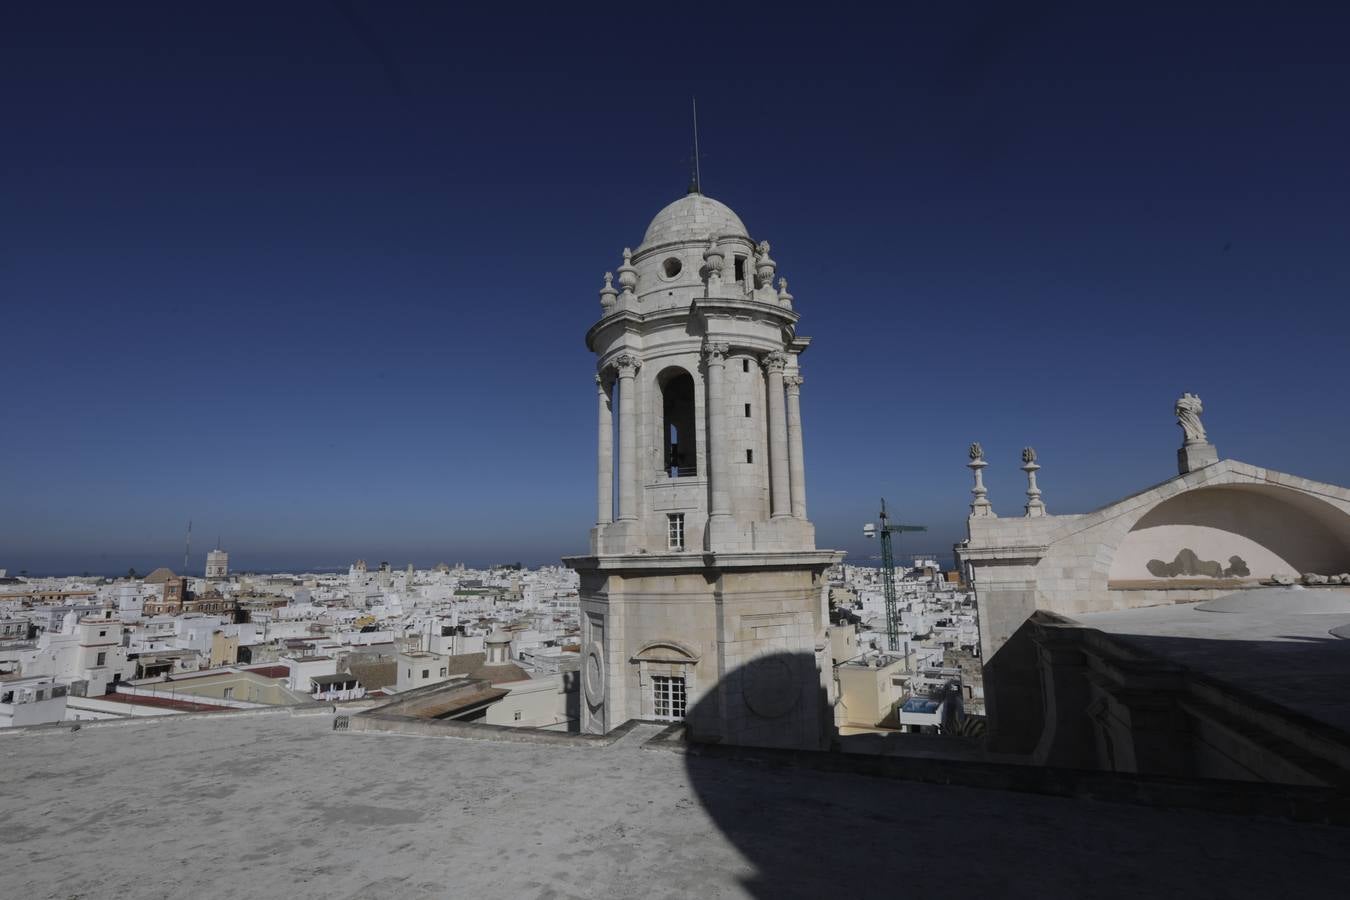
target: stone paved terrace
<point>282,806</point>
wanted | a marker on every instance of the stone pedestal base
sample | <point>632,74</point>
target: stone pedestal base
<point>1196,456</point>
<point>739,631</point>
<point>784,534</point>
<point>729,535</point>
<point>726,534</point>
<point>621,536</point>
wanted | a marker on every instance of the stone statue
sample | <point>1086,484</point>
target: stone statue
<point>976,451</point>
<point>1188,410</point>
<point>763,248</point>
<point>1028,455</point>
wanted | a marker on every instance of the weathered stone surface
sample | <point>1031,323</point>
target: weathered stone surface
<point>1193,457</point>
<point>1314,578</point>
<point>710,562</point>
<point>438,818</point>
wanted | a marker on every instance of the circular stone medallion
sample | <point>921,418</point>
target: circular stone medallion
<point>593,675</point>
<point>769,687</point>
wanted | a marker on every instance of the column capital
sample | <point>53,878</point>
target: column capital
<point>774,362</point>
<point>715,352</point>
<point>793,383</point>
<point>627,364</point>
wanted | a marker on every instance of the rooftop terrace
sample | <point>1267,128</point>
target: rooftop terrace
<point>274,804</point>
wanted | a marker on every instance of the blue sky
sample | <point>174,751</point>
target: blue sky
<point>316,275</point>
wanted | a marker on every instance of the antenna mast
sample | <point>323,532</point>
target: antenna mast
<point>698,179</point>
<point>187,548</point>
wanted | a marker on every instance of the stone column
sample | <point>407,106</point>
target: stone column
<point>604,470</point>
<point>628,365</point>
<point>719,479</point>
<point>796,464</point>
<point>780,498</point>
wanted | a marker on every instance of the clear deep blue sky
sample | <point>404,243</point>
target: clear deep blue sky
<point>316,274</point>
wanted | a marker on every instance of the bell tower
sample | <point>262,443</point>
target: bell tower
<point>702,596</point>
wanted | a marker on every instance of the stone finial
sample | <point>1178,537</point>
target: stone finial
<point>608,295</point>
<point>713,260</point>
<point>980,507</point>
<point>1035,507</point>
<point>1196,451</point>
<point>764,265</point>
<point>783,296</point>
<point>627,274</point>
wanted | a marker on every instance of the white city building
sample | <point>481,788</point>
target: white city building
<point>31,700</point>
<point>217,563</point>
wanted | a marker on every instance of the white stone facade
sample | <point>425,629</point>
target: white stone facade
<point>217,563</point>
<point>1253,523</point>
<point>1208,532</point>
<point>703,562</point>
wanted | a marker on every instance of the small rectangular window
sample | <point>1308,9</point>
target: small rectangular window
<point>426,673</point>
<point>749,456</point>
<point>668,697</point>
<point>745,365</point>
<point>517,715</point>
<point>747,410</point>
<point>443,671</point>
<point>102,658</point>
<point>675,531</point>
<point>740,268</point>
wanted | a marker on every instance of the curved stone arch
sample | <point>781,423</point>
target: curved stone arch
<point>1083,549</point>
<point>676,390</point>
<point>675,651</point>
<point>1239,530</point>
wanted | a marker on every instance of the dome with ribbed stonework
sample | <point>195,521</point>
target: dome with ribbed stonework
<point>693,217</point>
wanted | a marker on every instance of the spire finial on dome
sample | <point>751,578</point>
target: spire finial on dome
<point>695,177</point>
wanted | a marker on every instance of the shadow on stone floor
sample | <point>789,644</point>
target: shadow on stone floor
<point>830,833</point>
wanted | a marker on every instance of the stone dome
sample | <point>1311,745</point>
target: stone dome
<point>693,217</point>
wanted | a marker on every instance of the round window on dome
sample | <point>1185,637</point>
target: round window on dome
<point>671,267</point>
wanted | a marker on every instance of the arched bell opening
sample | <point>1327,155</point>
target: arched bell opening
<point>679,441</point>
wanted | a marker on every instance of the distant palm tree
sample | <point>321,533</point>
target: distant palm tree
<point>131,573</point>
